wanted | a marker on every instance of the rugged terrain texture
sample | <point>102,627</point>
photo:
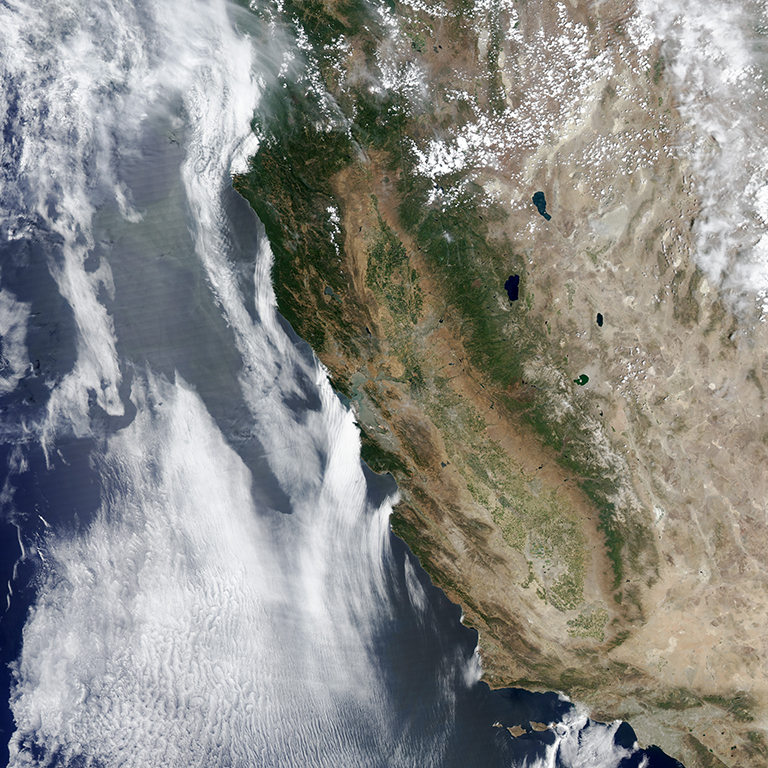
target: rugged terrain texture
<point>592,493</point>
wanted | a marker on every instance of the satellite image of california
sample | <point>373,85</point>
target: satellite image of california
<point>383,384</point>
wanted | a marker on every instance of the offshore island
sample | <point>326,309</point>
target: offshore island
<point>481,226</point>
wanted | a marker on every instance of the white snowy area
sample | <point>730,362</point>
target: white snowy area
<point>717,66</point>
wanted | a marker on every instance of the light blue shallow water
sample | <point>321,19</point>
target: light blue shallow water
<point>201,571</point>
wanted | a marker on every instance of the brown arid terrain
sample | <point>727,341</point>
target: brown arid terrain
<point>592,494</point>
